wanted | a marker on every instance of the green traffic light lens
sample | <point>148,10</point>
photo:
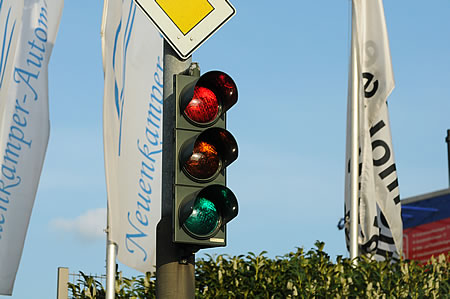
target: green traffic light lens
<point>204,219</point>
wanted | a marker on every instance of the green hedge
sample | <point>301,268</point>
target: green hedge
<point>295,275</point>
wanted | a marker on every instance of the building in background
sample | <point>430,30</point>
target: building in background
<point>426,222</point>
<point>426,225</point>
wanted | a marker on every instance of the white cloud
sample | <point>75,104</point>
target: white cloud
<point>89,226</point>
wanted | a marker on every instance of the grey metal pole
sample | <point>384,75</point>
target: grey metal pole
<point>448,154</point>
<point>174,264</point>
<point>354,170</point>
<point>111,247</point>
<point>111,250</point>
<point>63,280</point>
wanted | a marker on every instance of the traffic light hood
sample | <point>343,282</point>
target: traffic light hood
<point>208,98</point>
<point>211,145</point>
<point>222,202</point>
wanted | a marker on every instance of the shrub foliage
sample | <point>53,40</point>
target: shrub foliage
<point>297,274</point>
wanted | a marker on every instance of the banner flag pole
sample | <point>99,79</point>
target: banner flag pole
<point>354,167</point>
<point>111,247</point>
<point>111,252</point>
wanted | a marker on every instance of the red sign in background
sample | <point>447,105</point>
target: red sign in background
<point>423,241</point>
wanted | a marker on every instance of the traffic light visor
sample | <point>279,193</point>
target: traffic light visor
<point>204,214</point>
<point>204,156</point>
<point>205,101</point>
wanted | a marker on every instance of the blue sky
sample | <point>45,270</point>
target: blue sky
<point>290,62</point>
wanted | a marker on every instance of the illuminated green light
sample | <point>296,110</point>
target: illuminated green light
<point>204,218</point>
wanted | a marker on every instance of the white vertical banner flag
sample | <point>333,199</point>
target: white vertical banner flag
<point>27,35</point>
<point>132,127</point>
<point>380,223</point>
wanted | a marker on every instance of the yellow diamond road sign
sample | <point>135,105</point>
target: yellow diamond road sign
<point>186,24</point>
<point>185,14</point>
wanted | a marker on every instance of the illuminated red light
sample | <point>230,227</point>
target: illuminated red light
<point>204,162</point>
<point>204,106</point>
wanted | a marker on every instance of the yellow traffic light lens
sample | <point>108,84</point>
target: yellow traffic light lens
<point>204,106</point>
<point>204,162</point>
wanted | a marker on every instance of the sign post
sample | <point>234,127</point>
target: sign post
<point>174,267</point>
<point>185,25</point>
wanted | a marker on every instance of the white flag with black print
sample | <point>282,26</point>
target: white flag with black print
<point>380,224</point>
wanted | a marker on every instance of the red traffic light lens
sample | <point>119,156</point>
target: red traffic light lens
<point>204,162</point>
<point>204,106</point>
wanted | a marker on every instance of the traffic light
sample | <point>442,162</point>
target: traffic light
<point>203,205</point>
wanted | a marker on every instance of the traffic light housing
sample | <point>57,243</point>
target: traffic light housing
<point>203,205</point>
